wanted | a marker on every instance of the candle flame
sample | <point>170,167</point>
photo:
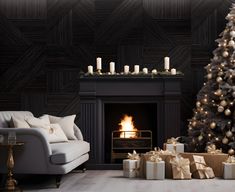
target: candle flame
<point>127,127</point>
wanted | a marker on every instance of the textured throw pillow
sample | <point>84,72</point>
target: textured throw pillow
<point>19,123</point>
<point>55,134</point>
<point>66,124</point>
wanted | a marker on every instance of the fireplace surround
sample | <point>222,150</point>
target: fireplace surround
<point>97,92</point>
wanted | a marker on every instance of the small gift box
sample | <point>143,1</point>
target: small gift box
<point>155,168</point>
<point>180,168</point>
<point>229,168</point>
<point>131,166</point>
<point>199,168</point>
<point>173,145</point>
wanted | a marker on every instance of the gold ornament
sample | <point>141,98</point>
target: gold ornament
<point>233,94</point>
<point>232,33</point>
<point>212,125</point>
<point>198,104</point>
<point>227,112</point>
<point>231,43</point>
<point>229,134</point>
<point>220,73</point>
<point>219,79</point>
<point>231,103</point>
<point>231,152</point>
<point>194,123</point>
<point>200,137</point>
<point>204,100</point>
<point>218,92</point>
<point>209,76</point>
<point>220,109</point>
<point>225,140</point>
<point>225,54</point>
<point>223,103</point>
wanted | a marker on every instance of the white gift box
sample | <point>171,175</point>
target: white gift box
<point>229,170</point>
<point>155,170</point>
<point>178,147</point>
<point>131,168</point>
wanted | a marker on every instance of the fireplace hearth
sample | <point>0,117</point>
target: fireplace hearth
<point>154,103</point>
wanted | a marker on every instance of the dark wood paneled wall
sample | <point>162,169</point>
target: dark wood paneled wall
<point>45,43</point>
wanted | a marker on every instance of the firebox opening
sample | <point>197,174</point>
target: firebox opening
<point>143,117</point>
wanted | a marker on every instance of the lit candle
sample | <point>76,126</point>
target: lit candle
<point>112,67</point>
<point>173,71</point>
<point>136,69</point>
<point>90,69</point>
<point>166,63</point>
<point>145,70</point>
<point>154,71</point>
<point>98,63</point>
<point>126,69</point>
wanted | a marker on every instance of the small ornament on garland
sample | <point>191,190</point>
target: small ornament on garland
<point>198,104</point>
<point>223,103</point>
<point>219,79</point>
<point>212,125</point>
<point>225,54</point>
<point>218,92</point>
<point>232,33</point>
<point>209,76</point>
<point>220,109</point>
<point>225,140</point>
<point>233,94</point>
<point>231,152</point>
<point>227,112</point>
<point>231,43</point>
<point>229,134</point>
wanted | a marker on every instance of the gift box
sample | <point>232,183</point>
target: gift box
<point>212,160</point>
<point>180,168</point>
<point>131,168</point>
<point>229,168</point>
<point>199,168</point>
<point>155,170</point>
<point>177,147</point>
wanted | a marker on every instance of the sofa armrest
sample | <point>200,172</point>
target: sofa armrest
<point>77,132</point>
<point>29,135</point>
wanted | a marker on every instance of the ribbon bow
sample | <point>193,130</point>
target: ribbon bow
<point>212,149</point>
<point>231,159</point>
<point>181,165</point>
<point>155,158</point>
<point>133,156</point>
<point>172,140</point>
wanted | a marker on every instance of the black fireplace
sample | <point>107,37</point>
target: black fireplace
<point>153,101</point>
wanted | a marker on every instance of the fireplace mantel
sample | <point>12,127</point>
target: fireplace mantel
<point>96,91</point>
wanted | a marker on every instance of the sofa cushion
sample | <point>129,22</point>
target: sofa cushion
<point>66,124</point>
<point>63,153</point>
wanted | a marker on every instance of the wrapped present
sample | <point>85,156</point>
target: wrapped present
<point>180,168</point>
<point>212,149</point>
<point>229,168</point>
<point>155,168</point>
<point>213,160</point>
<point>199,168</point>
<point>131,166</point>
<point>173,145</point>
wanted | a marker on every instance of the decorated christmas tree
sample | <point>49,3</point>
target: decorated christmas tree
<point>213,121</point>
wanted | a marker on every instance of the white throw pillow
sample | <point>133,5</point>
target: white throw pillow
<point>56,134</point>
<point>45,118</point>
<point>66,124</point>
<point>38,123</point>
<point>19,123</point>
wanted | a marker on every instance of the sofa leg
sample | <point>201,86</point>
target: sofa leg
<point>57,180</point>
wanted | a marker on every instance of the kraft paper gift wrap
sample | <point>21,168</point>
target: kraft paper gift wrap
<point>180,168</point>
<point>199,168</point>
<point>212,160</point>
<point>131,168</point>
<point>229,168</point>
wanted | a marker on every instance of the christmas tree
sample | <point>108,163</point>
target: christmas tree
<point>213,121</point>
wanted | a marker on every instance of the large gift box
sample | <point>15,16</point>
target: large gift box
<point>173,145</point>
<point>131,168</point>
<point>180,168</point>
<point>155,168</point>
<point>165,156</point>
<point>199,168</point>
<point>229,168</point>
<point>212,160</point>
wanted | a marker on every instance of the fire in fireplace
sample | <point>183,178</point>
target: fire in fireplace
<point>129,138</point>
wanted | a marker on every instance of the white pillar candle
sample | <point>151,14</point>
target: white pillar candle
<point>145,70</point>
<point>126,69</point>
<point>173,71</point>
<point>112,67</point>
<point>136,69</point>
<point>98,63</point>
<point>90,69</point>
<point>167,63</point>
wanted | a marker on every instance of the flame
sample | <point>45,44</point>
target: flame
<point>127,127</point>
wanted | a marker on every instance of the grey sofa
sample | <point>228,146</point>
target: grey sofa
<point>38,156</point>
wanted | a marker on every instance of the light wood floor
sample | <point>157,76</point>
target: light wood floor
<point>113,181</point>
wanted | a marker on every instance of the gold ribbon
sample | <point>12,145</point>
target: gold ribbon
<point>231,159</point>
<point>202,167</point>
<point>155,158</point>
<point>172,140</point>
<point>181,166</point>
<point>159,151</point>
<point>133,156</point>
<point>136,169</point>
<point>212,149</point>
